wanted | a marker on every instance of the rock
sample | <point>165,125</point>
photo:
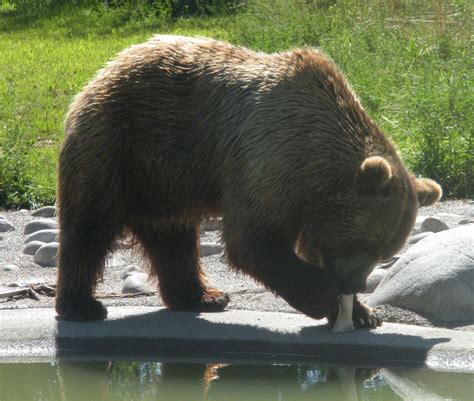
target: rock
<point>136,282</point>
<point>128,271</point>
<point>212,224</point>
<point>374,279</point>
<point>41,224</point>
<point>10,268</point>
<point>43,236</point>
<point>46,255</point>
<point>5,225</point>
<point>116,260</point>
<point>433,224</point>
<point>466,221</point>
<point>434,278</point>
<point>210,248</point>
<point>418,237</point>
<point>46,211</point>
<point>388,263</point>
<point>31,247</point>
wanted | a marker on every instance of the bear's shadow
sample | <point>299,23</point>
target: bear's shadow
<point>168,335</point>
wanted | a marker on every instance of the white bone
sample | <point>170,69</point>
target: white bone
<point>343,321</point>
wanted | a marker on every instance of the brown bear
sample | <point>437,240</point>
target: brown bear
<point>178,129</point>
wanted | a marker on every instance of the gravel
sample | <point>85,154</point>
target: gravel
<point>245,293</point>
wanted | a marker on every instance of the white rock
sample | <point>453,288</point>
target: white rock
<point>374,279</point>
<point>434,278</point>
<point>135,283</point>
<point>388,263</point>
<point>212,224</point>
<point>344,321</point>
<point>210,248</point>
<point>116,260</point>
<point>5,225</point>
<point>31,247</point>
<point>128,271</point>
<point>10,268</point>
<point>433,224</point>
<point>41,224</point>
<point>418,237</point>
<point>43,236</point>
<point>46,211</point>
<point>46,255</point>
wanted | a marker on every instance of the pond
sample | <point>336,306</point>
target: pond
<point>130,381</point>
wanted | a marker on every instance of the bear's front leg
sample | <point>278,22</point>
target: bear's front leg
<point>272,261</point>
<point>363,316</point>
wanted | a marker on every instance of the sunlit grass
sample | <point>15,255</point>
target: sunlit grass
<point>410,62</point>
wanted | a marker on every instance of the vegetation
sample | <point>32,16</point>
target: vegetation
<point>409,61</point>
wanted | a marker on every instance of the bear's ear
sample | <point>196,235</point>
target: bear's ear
<point>427,191</point>
<point>374,176</point>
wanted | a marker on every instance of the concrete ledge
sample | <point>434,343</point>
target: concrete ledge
<point>146,332</point>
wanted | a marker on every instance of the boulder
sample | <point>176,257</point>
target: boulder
<point>46,255</point>
<point>374,279</point>
<point>434,278</point>
<point>418,237</point>
<point>210,248</point>
<point>433,224</point>
<point>41,224</point>
<point>46,211</point>
<point>136,283</point>
<point>10,268</point>
<point>129,270</point>
<point>31,247</point>
<point>43,236</point>
<point>5,225</point>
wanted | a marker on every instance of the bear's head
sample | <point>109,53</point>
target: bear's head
<point>369,223</point>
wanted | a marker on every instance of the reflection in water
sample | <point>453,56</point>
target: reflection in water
<point>130,381</point>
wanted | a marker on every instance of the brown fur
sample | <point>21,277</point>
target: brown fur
<point>178,129</point>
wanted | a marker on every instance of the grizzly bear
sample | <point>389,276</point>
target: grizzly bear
<point>178,129</point>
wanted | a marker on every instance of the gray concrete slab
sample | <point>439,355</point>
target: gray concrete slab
<point>149,332</point>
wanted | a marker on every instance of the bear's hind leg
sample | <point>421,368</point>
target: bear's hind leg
<point>84,244</point>
<point>173,253</point>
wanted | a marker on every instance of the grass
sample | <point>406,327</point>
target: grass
<point>409,61</point>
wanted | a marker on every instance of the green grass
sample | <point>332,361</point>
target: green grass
<point>411,63</point>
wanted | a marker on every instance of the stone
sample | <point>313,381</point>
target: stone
<point>5,225</point>
<point>374,279</point>
<point>46,211</point>
<point>41,224</point>
<point>418,237</point>
<point>46,255</point>
<point>210,248</point>
<point>212,224</point>
<point>434,278</point>
<point>31,247</point>
<point>135,283</point>
<point>43,236</point>
<point>433,224</point>
<point>10,268</point>
<point>116,260</point>
<point>128,271</point>
<point>466,221</point>
<point>388,263</point>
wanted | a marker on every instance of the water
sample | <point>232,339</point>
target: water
<point>130,381</point>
